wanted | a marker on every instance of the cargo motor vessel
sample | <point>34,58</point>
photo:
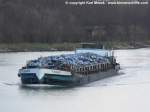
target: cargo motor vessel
<point>89,63</point>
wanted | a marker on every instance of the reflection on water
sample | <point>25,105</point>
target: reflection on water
<point>45,88</point>
<point>127,92</point>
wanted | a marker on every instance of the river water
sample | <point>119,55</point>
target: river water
<point>127,92</point>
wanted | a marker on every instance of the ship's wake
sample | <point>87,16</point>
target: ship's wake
<point>2,83</point>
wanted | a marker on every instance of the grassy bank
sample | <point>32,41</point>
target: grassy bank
<point>25,47</point>
<point>127,45</point>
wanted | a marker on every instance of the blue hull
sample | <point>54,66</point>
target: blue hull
<point>29,79</point>
<point>73,80</point>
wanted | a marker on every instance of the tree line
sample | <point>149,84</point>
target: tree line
<point>51,21</point>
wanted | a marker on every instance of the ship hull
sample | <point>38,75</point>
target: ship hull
<point>96,76</point>
<point>65,80</point>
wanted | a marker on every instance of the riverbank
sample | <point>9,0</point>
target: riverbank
<point>33,47</point>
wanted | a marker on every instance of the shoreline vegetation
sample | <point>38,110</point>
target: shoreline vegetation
<point>31,25</point>
<point>39,47</point>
